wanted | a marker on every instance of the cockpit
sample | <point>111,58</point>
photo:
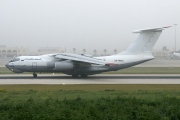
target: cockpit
<point>15,59</point>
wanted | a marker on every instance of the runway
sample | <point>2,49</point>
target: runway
<point>94,79</point>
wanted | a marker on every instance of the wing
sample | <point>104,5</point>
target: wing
<point>79,58</point>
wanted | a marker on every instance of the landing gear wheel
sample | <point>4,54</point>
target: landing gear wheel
<point>75,76</point>
<point>84,76</point>
<point>34,75</point>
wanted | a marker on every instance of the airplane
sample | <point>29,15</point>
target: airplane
<point>177,55</point>
<point>83,65</point>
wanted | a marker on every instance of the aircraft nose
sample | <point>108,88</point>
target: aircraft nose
<point>7,65</point>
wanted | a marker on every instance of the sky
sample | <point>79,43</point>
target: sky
<point>86,24</point>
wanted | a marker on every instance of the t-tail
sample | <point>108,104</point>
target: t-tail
<point>145,41</point>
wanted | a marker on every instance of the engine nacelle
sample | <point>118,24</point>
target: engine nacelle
<point>63,66</point>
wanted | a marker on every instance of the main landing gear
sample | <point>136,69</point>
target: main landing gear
<point>77,76</point>
<point>34,75</point>
<point>84,76</point>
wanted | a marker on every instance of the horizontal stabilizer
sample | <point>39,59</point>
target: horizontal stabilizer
<point>150,29</point>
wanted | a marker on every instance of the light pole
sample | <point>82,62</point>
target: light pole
<point>175,38</point>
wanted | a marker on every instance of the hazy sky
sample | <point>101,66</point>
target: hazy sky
<point>89,24</point>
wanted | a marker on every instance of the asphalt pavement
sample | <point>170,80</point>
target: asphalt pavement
<point>93,79</point>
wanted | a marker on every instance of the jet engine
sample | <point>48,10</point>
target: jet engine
<point>63,66</point>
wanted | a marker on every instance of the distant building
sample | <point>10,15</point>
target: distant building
<point>164,53</point>
<point>50,50</point>
<point>161,54</point>
<point>12,51</point>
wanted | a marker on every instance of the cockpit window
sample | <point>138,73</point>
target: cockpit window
<point>15,59</point>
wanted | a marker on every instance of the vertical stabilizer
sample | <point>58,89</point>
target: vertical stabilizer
<point>145,41</point>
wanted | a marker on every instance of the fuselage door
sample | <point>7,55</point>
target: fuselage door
<point>34,65</point>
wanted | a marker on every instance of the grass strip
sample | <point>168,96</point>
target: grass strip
<point>95,87</point>
<point>152,102</point>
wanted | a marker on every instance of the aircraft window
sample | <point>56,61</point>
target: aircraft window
<point>15,59</point>
<point>99,59</point>
<point>32,59</point>
<point>120,60</point>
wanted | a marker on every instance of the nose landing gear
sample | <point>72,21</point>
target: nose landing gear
<point>34,75</point>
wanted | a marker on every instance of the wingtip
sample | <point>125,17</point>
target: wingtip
<point>167,27</point>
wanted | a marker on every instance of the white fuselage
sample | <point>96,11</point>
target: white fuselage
<point>176,55</point>
<point>47,63</point>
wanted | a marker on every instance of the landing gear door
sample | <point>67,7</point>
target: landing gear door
<point>34,65</point>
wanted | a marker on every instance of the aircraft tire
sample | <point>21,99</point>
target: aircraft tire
<point>34,75</point>
<point>75,76</point>
<point>84,76</point>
